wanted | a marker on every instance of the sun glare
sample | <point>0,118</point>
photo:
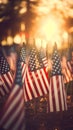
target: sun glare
<point>50,31</point>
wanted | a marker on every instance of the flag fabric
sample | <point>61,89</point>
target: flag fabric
<point>70,62</point>
<point>6,77</point>
<point>42,53</point>
<point>36,79</point>
<point>12,117</point>
<point>23,57</point>
<point>66,70</point>
<point>67,67</point>
<point>3,91</point>
<point>57,93</point>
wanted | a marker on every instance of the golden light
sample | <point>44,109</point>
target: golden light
<point>23,7</point>
<point>58,40</point>
<point>50,28</point>
<point>46,29</point>
<point>4,42</point>
<point>23,39</point>
<point>38,43</point>
<point>51,22</point>
<point>17,39</point>
<point>49,32</point>
<point>4,1</point>
<point>31,40</point>
<point>15,7</point>
<point>9,40</point>
<point>22,10</point>
<point>22,27</point>
<point>71,30</point>
<point>0,1</point>
<point>65,35</point>
<point>44,42</point>
<point>1,19</point>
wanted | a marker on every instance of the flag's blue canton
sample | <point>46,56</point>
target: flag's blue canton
<point>56,67</point>
<point>18,78</point>
<point>40,57</point>
<point>4,66</point>
<point>23,54</point>
<point>35,61</point>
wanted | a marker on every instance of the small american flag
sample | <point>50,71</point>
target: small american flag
<point>66,66</point>
<point>57,94</point>
<point>42,53</point>
<point>71,64</point>
<point>23,57</point>
<point>36,79</point>
<point>66,70</point>
<point>13,111</point>
<point>6,77</point>
<point>69,61</point>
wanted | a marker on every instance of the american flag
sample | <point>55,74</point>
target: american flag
<point>71,64</point>
<point>66,70</point>
<point>57,94</point>
<point>42,53</point>
<point>36,79</point>
<point>23,57</point>
<point>66,67</point>
<point>12,117</point>
<point>70,61</point>
<point>6,78</point>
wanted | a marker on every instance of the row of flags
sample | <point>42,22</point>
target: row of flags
<point>32,80</point>
<point>6,77</point>
<point>12,113</point>
<point>36,81</point>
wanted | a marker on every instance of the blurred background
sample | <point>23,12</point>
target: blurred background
<point>47,22</point>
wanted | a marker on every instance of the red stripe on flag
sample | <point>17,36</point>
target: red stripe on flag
<point>13,112</point>
<point>35,83</point>
<point>57,95</point>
